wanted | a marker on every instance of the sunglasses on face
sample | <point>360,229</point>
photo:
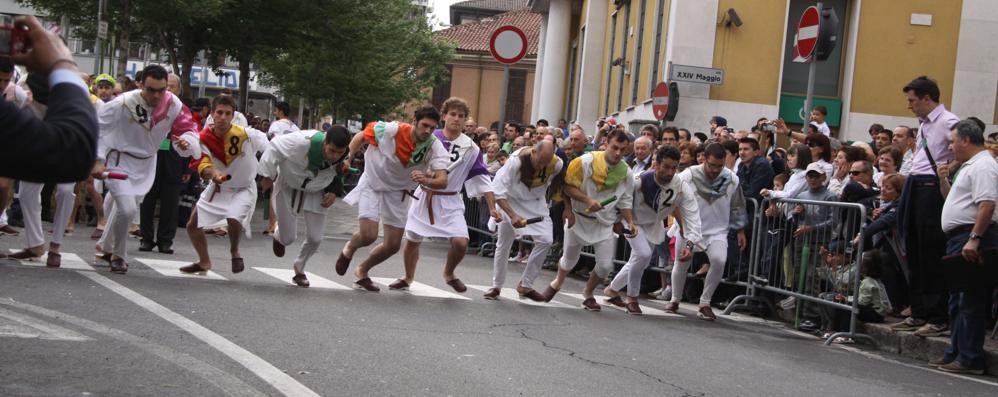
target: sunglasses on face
<point>854,173</point>
<point>812,144</point>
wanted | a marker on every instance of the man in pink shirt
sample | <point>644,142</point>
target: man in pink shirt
<point>923,235</point>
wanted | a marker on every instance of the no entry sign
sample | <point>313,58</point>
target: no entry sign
<point>508,44</point>
<point>660,101</point>
<point>807,35</point>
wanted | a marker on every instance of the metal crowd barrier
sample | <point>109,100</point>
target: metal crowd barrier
<point>804,251</point>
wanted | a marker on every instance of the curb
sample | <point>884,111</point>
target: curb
<point>923,349</point>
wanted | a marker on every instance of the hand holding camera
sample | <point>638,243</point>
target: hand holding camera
<point>28,43</point>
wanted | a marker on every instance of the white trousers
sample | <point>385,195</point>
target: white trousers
<point>30,197</point>
<point>573,249</point>
<point>287,227</point>
<point>506,235</point>
<point>123,208</point>
<point>630,274</point>
<point>717,253</point>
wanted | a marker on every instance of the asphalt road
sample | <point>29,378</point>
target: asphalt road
<point>81,330</point>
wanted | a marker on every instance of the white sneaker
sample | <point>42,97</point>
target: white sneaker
<point>666,294</point>
<point>788,303</point>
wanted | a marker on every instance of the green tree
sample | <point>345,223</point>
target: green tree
<point>358,58</point>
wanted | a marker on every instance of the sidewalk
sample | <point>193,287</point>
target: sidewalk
<point>924,349</point>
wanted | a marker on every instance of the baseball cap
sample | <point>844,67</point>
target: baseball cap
<point>104,78</point>
<point>814,167</point>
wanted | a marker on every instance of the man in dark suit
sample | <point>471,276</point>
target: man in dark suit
<point>63,146</point>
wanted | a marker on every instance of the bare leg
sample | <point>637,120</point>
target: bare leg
<point>458,247</point>
<point>591,284</point>
<point>198,240</point>
<point>410,255</point>
<point>235,229</point>
<point>366,234</point>
<point>387,248</point>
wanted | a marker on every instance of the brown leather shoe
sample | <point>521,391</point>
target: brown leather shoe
<point>399,284</point>
<point>936,363</point>
<point>238,265</point>
<point>591,305</point>
<point>342,263</point>
<point>278,249</point>
<point>633,308</point>
<point>24,254</point>
<point>492,294</point>
<point>106,257</point>
<point>706,314</point>
<point>119,266</point>
<point>457,285</point>
<point>193,268</point>
<point>672,307</point>
<point>53,260</point>
<point>96,235</point>
<point>616,301</point>
<point>366,284</point>
<point>529,293</point>
<point>300,280</point>
<point>549,293</point>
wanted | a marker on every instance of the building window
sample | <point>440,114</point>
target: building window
<point>609,63</point>
<point>656,60</point>
<point>573,69</point>
<point>638,51</point>
<point>623,58</point>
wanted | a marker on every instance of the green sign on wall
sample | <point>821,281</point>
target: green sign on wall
<point>792,106</point>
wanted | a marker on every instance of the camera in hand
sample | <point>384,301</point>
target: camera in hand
<point>12,39</point>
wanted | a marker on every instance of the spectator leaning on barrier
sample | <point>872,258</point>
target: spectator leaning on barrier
<point>924,239</point>
<point>969,221</point>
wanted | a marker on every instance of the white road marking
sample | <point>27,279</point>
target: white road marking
<point>268,373</point>
<point>315,281</point>
<point>420,289</point>
<point>172,269</point>
<point>69,261</point>
<point>31,327</point>
<point>512,295</point>
<point>227,383</point>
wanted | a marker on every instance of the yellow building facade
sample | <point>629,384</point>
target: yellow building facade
<point>604,58</point>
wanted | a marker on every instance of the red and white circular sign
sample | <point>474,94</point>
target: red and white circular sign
<point>508,44</point>
<point>660,101</point>
<point>807,33</point>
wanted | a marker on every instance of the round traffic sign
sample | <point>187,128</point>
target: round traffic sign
<point>807,32</point>
<point>660,100</point>
<point>508,44</point>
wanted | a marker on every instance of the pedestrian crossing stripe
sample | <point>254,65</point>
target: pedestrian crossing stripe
<point>315,281</point>
<point>512,295</point>
<point>645,309</point>
<point>420,289</point>
<point>68,261</point>
<point>172,269</point>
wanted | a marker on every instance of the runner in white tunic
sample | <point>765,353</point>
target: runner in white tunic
<point>400,157</point>
<point>282,125</point>
<point>656,194</point>
<point>722,207</point>
<point>440,212</point>
<point>132,127</point>
<point>306,166</point>
<point>521,191</point>
<point>597,183</point>
<point>229,161</point>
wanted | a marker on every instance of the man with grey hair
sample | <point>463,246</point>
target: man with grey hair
<point>641,159</point>
<point>521,191</point>
<point>578,143</point>
<point>969,222</point>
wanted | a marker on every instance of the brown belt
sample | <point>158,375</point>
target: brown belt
<point>429,200</point>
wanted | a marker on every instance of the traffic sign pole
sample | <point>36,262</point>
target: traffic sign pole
<point>809,99</point>
<point>502,99</point>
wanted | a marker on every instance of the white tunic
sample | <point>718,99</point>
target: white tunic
<point>280,127</point>
<point>235,198</point>
<point>527,202</point>
<point>130,138</point>
<point>666,197</point>
<point>715,215</point>
<point>385,172</point>
<point>592,228</point>
<point>466,169</point>
<point>287,159</point>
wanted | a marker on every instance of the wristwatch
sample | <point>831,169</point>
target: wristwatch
<point>974,236</point>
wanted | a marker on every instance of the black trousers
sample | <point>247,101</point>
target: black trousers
<point>925,245</point>
<point>167,193</point>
